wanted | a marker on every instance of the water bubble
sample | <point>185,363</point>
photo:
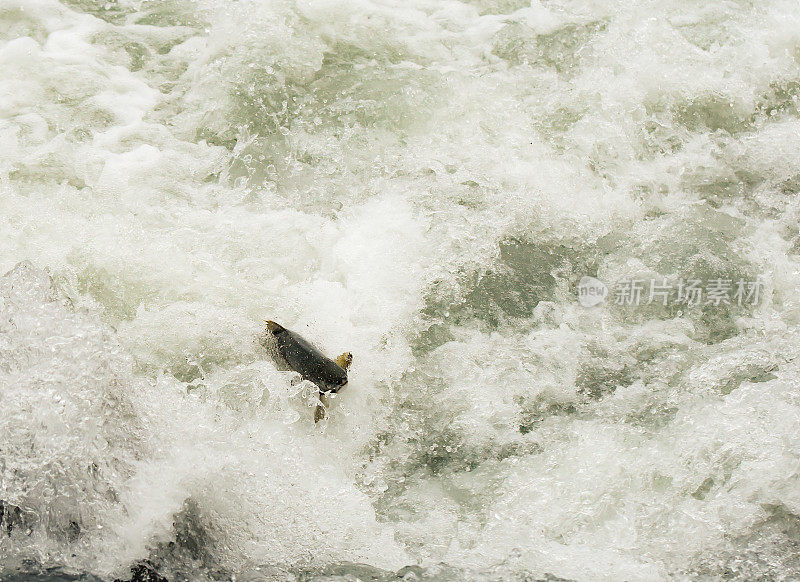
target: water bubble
<point>290,417</point>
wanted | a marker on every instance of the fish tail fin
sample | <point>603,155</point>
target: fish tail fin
<point>345,360</point>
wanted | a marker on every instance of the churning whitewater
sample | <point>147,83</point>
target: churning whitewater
<point>425,184</point>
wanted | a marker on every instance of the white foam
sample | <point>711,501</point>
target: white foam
<point>398,180</point>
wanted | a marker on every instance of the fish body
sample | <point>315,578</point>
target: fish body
<point>330,375</point>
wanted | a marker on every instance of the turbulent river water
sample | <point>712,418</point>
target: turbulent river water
<point>424,183</point>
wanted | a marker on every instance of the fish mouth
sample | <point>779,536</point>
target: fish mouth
<point>274,327</point>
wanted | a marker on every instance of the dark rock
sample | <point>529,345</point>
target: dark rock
<point>144,572</point>
<point>10,517</point>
